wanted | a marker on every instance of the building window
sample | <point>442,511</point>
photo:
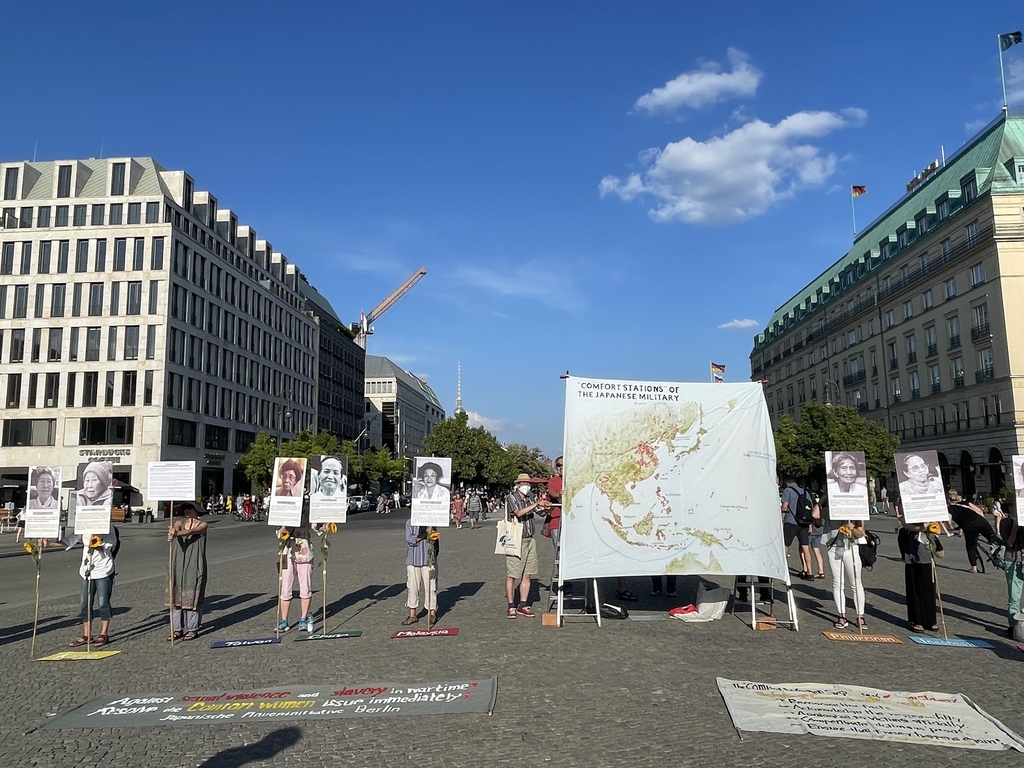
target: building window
<point>61,219</point>
<point>98,214</point>
<point>73,345</point>
<point>95,299</point>
<point>957,369</point>
<point>101,256</point>
<point>92,343</point>
<point>17,345</point>
<point>969,190</point>
<point>134,297</point>
<point>70,402</point>
<point>117,179</point>
<point>11,184</point>
<point>150,342</point>
<point>908,310</point>
<point>63,247</point>
<point>181,432</point>
<point>82,256</point>
<point>80,213</point>
<point>972,233</point>
<point>115,213</point>
<point>243,439</point>
<point>108,393</point>
<point>14,390</point>
<point>154,296</point>
<point>120,252</point>
<point>131,342</point>
<point>977,275</point>
<point>216,438</point>
<point>107,430</point>
<point>20,301</point>
<point>112,343</point>
<point>26,258</point>
<point>57,297</point>
<point>147,391</point>
<point>129,385</point>
<point>152,213</point>
<point>51,390</point>
<point>115,299</point>
<point>64,181</point>
<point>56,342</point>
<point>43,217</point>
<point>134,213</point>
<point>26,218</point>
<point>22,432</point>
<point>7,259</point>
<point>137,253</point>
<point>156,258</point>
<point>890,319</point>
<point>40,302</point>
<point>949,288</point>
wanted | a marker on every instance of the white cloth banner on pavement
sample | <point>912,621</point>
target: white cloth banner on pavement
<point>667,478</point>
<point>849,711</point>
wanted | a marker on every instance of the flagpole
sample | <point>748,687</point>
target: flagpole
<point>853,208</point>
<point>1002,76</point>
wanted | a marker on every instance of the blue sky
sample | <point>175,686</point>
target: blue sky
<point>599,187</point>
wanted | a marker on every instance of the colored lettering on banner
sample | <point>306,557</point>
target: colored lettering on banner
<point>955,642</point>
<point>244,643</point>
<point>426,633</point>
<point>852,637</point>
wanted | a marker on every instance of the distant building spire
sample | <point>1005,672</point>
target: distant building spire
<point>458,397</point>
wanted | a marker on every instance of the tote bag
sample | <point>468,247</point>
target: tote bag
<point>510,537</point>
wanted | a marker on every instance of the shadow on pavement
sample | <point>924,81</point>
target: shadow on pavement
<point>225,620</point>
<point>263,750</point>
<point>447,600</point>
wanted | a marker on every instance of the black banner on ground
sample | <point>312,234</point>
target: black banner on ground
<point>300,702</point>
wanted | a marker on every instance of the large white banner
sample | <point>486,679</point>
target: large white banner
<point>665,478</point>
<point>1018,486</point>
<point>850,711</point>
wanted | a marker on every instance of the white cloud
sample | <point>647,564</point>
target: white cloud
<point>739,324</point>
<point>1015,83</point>
<point>502,315</point>
<point>973,126</point>
<point>706,85</point>
<point>491,425</point>
<point>738,175</point>
<point>424,377</point>
<point>530,280</point>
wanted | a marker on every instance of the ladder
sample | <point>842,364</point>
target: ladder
<point>557,599</point>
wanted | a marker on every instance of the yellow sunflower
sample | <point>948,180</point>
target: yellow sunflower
<point>284,536</point>
<point>95,541</point>
<point>934,528</point>
<point>28,547</point>
<point>333,528</point>
<point>844,529</point>
<point>434,536</point>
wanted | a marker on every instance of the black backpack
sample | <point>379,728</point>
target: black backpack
<point>804,512</point>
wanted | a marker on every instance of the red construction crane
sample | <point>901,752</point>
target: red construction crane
<point>364,328</point>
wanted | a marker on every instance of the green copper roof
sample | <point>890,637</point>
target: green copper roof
<point>989,158</point>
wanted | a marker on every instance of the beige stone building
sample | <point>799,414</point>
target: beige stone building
<point>918,324</point>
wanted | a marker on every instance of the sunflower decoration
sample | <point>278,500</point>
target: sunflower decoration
<point>95,541</point>
<point>333,528</point>
<point>33,550</point>
<point>434,536</point>
<point>325,542</point>
<point>434,540</point>
<point>934,529</point>
<point>845,530</point>
<point>283,537</point>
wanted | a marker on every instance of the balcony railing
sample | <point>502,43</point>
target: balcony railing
<point>981,331</point>
<point>853,378</point>
<point>954,342</point>
<point>985,374</point>
<point>862,407</point>
<point>896,397</point>
<point>911,357</point>
<point>915,394</point>
<point>958,381</point>
<point>874,370</point>
<point>894,365</point>
<point>933,350</point>
<point>936,387</point>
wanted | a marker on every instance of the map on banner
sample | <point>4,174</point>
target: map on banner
<point>669,478</point>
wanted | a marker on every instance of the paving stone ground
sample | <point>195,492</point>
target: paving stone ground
<point>630,693</point>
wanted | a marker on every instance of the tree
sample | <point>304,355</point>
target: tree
<point>800,446</point>
<point>258,461</point>
<point>478,458</point>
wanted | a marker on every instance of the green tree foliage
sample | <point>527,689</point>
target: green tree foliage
<point>800,446</point>
<point>478,458</point>
<point>258,461</point>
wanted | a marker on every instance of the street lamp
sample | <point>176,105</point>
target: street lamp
<point>286,413</point>
<point>828,399</point>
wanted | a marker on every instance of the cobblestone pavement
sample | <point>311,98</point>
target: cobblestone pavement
<point>631,693</point>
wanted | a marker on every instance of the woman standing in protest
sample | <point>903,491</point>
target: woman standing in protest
<point>189,571</point>
<point>421,571</point>
<point>920,584</point>
<point>97,572</point>
<point>298,566</point>
<point>844,562</point>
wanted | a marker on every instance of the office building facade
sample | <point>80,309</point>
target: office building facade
<point>140,322</point>
<point>914,326</point>
<point>401,409</point>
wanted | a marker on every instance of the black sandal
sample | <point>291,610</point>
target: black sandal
<point>625,594</point>
<point>410,620</point>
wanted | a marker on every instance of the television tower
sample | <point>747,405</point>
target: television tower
<point>458,397</point>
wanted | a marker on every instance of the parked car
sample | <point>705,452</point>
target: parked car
<point>359,504</point>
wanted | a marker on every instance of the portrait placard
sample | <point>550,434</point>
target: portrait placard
<point>847,479</point>
<point>328,489</point>
<point>922,496</point>
<point>431,497</point>
<point>42,513</point>
<point>93,494</point>
<point>286,492</point>
<point>1018,486</point>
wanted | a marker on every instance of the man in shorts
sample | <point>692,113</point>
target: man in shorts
<point>474,505</point>
<point>790,497</point>
<point>521,504</point>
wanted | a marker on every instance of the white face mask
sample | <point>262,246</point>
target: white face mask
<point>524,489</point>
